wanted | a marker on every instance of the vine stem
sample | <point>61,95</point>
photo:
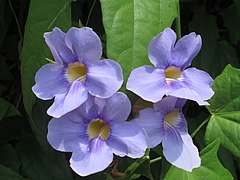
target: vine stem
<point>178,22</point>
<point>155,160</point>
<point>199,127</point>
<point>16,19</point>
<point>90,12</point>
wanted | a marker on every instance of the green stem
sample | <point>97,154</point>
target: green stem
<point>199,127</point>
<point>90,12</point>
<point>16,19</point>
<point>155,160</point>
<point>178,22</point>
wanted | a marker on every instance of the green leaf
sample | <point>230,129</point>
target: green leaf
<point>225,110</point>
<point>138,168</point>
<point>37,164</point>
<point>130,25</point>
<point>8,174</point>
<point>43,16</point>
<point>205,59</point>
<point>9,157</point>
<point>233,26</point>
<point>7,110</point>
<point>210,167</point>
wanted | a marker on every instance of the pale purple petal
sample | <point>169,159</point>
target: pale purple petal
<point>66,135</point>
<point>104,78</point>
<point>187,153</point>
<point>199,81</point>
<point>56,42</point>
<point>160,47</point>
<point>64,103</point>
<point>116,108</point>
<point>168,103</point>
<point>148,82</point>
<point>97,158</point>
<point>186,49</point>
<point>185,92</point>
<point>152,122</point>
<point>132,136</point>
<point>117,146</point>
<point>84,43</point>
<point>50,81</point>
<point>172,144</point>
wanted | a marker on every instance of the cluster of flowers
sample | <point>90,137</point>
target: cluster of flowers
<point>89,115</point>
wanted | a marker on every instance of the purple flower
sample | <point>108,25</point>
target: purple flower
<point>77,71</point>
<point>95,131</point>
<point>170,76</point>
<point>166,123</point>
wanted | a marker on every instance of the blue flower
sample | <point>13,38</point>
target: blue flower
<point>169,75</point>
<point>77,72</point>
<point>95,131</point>
<point>166,123</point>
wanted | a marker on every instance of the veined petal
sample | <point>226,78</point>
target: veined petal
<point>84,43</point>
<point>64,103</point>
<point>104,78</point>
<point>188,156</point>
<point>172,144</point>
<point>118,147</point>
<point>148,82</point>
<point>50,81</point>
<point>168,103</point>
<point>152,122</point>
<point>116,108</point>
<point>97,158</point>
<point>186,49</point>
<point>66,135</point>
<point>180,90</point>
<point>56,42</point>
<point>160,47</point>
<point>132,136</point>
<point>199,81</point>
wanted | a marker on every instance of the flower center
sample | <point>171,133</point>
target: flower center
<point>172,118</point>
<point>172,73</point>
<point>98,127</point>
<point>76,70</point>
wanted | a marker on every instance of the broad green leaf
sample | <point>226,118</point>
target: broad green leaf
<point>43,16</point>
<point>130,25</point>
<point>9,157</point>
<point>233,26</point>
<point>139,167</point>
<point>205,59</point>
<point>39,165</point>
<point>8,174</point>
<point>225,110</point>
<point>210,167</point>
<point>7,110</point>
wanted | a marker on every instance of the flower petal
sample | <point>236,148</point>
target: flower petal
<point>118,147</point>
<point>147,82</point>
<point>96,159</point>
<point>56,42</point>
<point>199,81</point>
<point>160,47</point>
<point>64,103</point>
<point>66,135</point>
<point>181,152</point>
<point>116,108</point>
<point>84,43</point>
<point>132,136</point>
<point>186,49</point>
<point>50,81</point>
<point>180,90</point>
<point>153,123</point>
<point>104,78</point>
